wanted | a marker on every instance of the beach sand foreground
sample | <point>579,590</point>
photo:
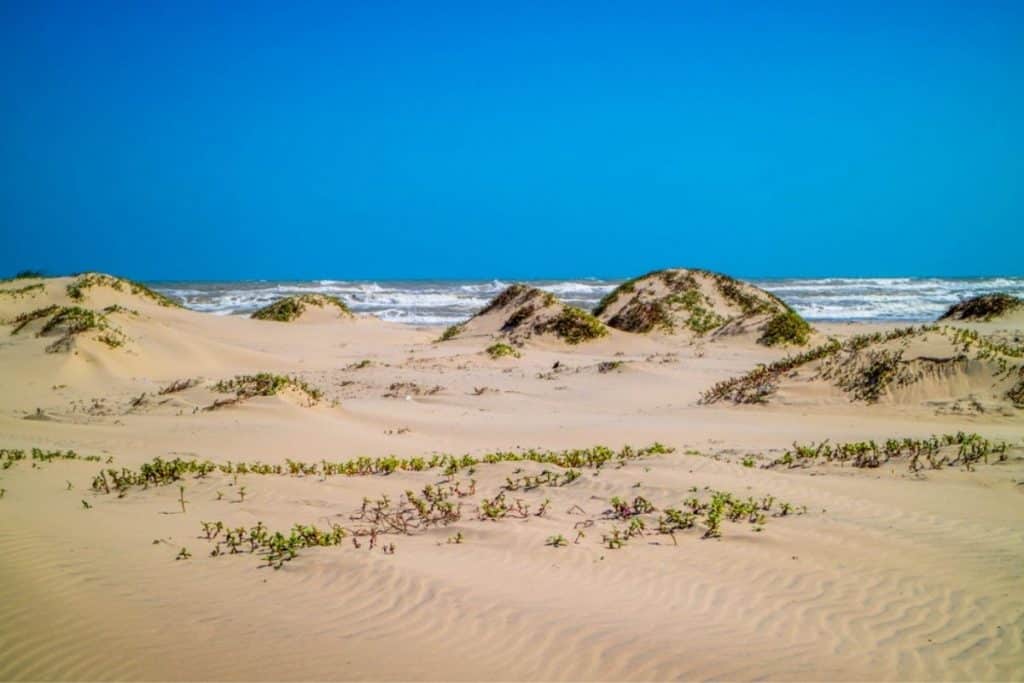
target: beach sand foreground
<point>528,567</point>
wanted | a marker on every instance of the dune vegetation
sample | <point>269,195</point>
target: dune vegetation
<point>292,307</point>
<point>983,308</point>
<point>699,303</point>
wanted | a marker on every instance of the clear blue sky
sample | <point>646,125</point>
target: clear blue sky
<point>516,139</point>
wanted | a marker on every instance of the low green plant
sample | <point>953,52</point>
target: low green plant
<point>556,541</point>
<point>500,350</point>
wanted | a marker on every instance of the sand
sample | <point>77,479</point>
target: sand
<point>888,574</point>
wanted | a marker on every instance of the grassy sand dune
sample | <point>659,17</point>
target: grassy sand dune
<point>699,303</point>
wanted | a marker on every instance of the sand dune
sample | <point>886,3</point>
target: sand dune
<point>886,572</point>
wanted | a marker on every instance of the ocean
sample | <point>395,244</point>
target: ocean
<point>444,302</point>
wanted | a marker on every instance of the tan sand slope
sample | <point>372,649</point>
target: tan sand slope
<point>698,303</point>
<point>729,553</point>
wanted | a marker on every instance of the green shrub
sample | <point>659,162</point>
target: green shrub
<point>785,327</point>
<point>574,325</point>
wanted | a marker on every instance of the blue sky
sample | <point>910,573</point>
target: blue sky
<point>405,140</point>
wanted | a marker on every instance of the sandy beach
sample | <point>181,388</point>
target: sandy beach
<point>710,556</point>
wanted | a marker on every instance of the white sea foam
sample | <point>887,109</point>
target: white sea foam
<point>441,302</point>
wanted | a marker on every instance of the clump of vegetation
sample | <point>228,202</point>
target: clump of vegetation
<point>25,319</point>
<point>77,288</point>
<point>500,350</point>
<point>262,384</point>
<point>70,321</point>
<point>984,308</point>
<point>695,513</point>
<point>785,327</point>
<point>947,450</point>
<point>451,332</point>
<point>276,547</point>
<point>642,317</point>
<point>292,307</point>
<point>574,326</point>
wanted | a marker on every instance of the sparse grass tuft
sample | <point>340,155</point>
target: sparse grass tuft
<point>291,307</point>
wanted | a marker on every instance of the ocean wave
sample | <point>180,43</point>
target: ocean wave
<point>440,302</point>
